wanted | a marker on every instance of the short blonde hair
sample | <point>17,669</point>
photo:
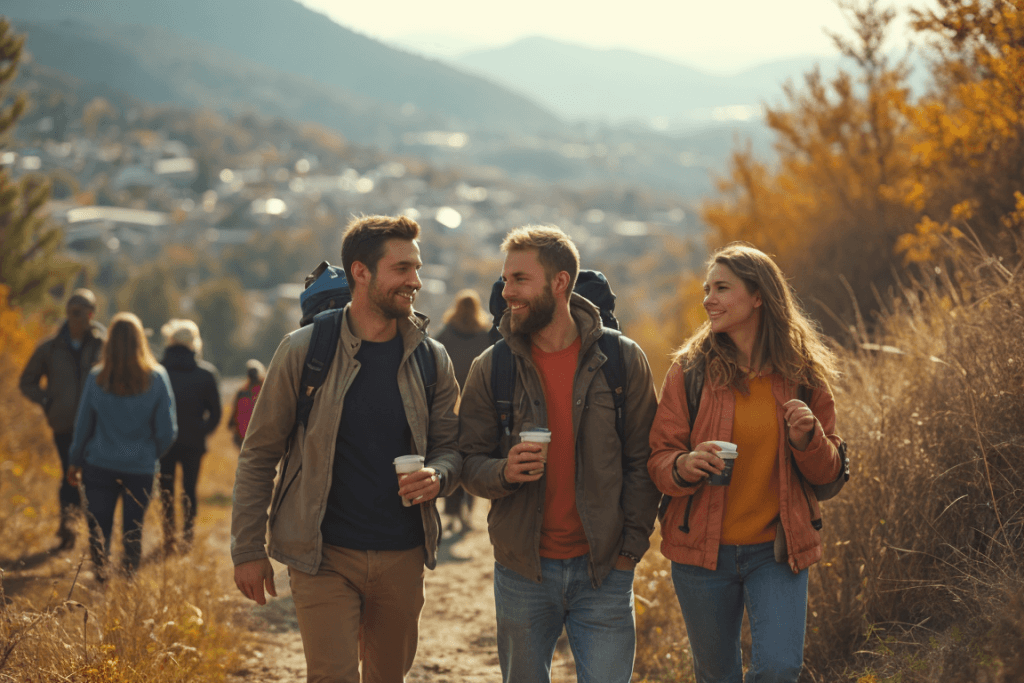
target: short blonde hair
<point>182,332</point>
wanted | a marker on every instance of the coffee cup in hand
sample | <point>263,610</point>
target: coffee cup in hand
<point>541,437</point>
<point>406,464</point>
<point>728,454</point>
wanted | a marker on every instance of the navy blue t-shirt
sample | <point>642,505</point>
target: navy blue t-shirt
<point>364,511</point>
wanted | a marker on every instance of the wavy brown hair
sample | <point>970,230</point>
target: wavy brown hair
<point>466,314</point>
<point>128,363</point>
<point>787,340</point>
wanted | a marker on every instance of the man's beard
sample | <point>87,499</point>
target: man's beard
<point>540,314</point>
<point>385,302</point>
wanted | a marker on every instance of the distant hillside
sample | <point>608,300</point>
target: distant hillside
<point>581,83</point>
<point>160,67</point>
<point>289,38</point>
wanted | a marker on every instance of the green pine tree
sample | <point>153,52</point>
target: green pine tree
<point>31,264</point>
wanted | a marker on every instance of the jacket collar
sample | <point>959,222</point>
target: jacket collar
<point>584,314</point>
<point>95,331</point>
<point>412,330</point>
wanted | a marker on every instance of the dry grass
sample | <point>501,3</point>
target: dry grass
<point>925,548</point>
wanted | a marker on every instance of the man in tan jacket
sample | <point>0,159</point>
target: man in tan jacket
<point>355,553</point>
<point>568,532</point>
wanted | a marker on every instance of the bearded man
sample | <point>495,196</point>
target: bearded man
<point>567,532</point>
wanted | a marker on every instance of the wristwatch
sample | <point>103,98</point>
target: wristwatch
<point>630,556</point>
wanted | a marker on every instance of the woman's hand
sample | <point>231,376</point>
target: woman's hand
<point>699,463</point>
<point>800,421</point>
<point>74,475</point>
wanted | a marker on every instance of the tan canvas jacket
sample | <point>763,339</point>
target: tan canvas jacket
<point>292,510</point>
<point>615,497</point>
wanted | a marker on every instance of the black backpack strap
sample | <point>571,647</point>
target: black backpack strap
<point>503,381</point>
<point>615,375</point>
<point>426,360</point>
<point>322,346</point>
<point>693,379</point>
<point>693,382</point>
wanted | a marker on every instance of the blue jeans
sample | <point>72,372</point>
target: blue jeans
<point>713,601</point>
<point>102,489</point>
<point>599,622</point>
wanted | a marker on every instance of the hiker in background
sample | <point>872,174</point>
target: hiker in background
<point>466,333</point>
<point>126,421</point>
<point>751,548</point>
<point>355,551</point>
<point>568,532</point>
<point>197,403</point>
<point>65,360</point>
<point>245,399</point>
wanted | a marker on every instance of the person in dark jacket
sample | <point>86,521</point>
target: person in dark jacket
<point>197,400</point>
<point>65,360</point>
<point>466,333</point>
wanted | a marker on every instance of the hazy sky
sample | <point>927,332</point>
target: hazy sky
<point>713,34</point>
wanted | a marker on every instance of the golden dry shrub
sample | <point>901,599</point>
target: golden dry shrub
<point>925,546</point>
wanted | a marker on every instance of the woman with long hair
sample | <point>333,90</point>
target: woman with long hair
<point>467,333</point>
<point>747,544</point>
<point>126,420</point>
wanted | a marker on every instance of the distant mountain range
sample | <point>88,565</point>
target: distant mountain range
<point>581,83</point>
<point>539,108</point>
<point>291,39</point>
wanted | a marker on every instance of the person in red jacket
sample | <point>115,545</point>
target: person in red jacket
<point>245,399</point>
<point>746,545</point>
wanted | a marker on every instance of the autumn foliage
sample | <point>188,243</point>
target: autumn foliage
<point>870,177</point>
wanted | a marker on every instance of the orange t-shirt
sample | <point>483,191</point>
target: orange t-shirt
<point>561,534</point>
<point>752,497</point>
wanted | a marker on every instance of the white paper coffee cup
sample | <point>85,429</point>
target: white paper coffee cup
<point>541,437</point>
<point>406,464</point>
<point>728,454</point>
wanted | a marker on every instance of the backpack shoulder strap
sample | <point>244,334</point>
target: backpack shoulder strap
<point>615,375</point>
<point>426,360</point>
<point>319,356</point>
<point>693,378</point>
<point>503,380</point>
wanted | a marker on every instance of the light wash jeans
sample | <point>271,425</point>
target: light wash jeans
<point>713,601</point>
<point>599,622</point>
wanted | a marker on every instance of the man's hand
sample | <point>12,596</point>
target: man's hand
<point>419,487</point>
<point>74,475</point>
<point>800,421</point>
<point>524,458</point>
<point>251,578</point>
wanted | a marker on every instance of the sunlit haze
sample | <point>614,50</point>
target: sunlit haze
<point>724,35</point>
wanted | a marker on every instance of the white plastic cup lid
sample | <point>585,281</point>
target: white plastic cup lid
<point>408,460</point>
<point>538,435</point>
<point>728,451</point>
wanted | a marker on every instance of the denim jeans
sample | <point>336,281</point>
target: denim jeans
<point>599,622</point>
<point>102,489</point>
<point>713,602</point>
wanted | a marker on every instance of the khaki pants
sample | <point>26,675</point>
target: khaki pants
<point>378,590</point>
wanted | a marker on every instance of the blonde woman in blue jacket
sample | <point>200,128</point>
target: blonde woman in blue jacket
<point>126,420</point>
